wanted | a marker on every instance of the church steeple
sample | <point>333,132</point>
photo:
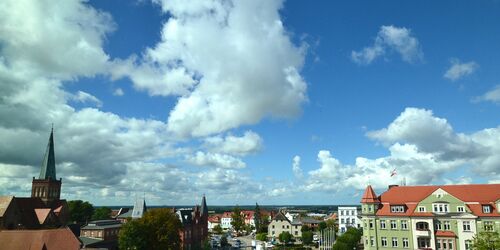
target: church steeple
<point>47,187</point>
<point>204,208</point>
<point>48,169</point>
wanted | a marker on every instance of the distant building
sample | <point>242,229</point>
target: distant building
<point>226,220</point>
<point>248,217</point>
<point>280,223</point>
<point>348,217</point>
<point>51,239</point>
<point>101,234</point>
<point>44,209</point>
<point>213,221</point>
<point>136,212</point>
<point>194,225</point>
<point>429,217</point>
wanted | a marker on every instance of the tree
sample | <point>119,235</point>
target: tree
<point>237,219</point>
<point>261,236</point>
<point>285,237</point>
<point>223,241</point>
<point>257,217</point>
<point>102,213</point>
<point>157,229</point>
<point>307,237</point>
<point>217,229</point>
<point>305,228</point>
<point>322,226</point>
<point>80,211</point>
<point>486,241</point>
<point>331,223</point>
<point>349,239</point>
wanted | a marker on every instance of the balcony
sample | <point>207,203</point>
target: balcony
<point>423,233</point>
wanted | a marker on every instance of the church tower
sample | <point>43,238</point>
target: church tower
<point>47,187</point>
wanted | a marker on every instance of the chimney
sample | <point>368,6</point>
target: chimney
<point>391,186</point>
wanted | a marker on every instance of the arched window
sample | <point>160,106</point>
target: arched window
<point>421,226</point>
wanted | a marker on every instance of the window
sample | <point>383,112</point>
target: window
<point>488,226</point>
<point>406,243</point>
<point>422,226</point>
<point>394,242</point>
<point>447,226</point>
<point>466,226</point>
<point>404,225</point>
<point>384,241</point>
<point>342,212</point>
<point>296,233</point>
<point>273,226</point>
<point>283,226</point>
<point>397,209</point>
<point>421,209</point>
<point>440,208</point>
<point>468,245</point>
<point>461,209</point>
<point>370,208</point>
<point>287,226</point>
<point>372,241</point>
<point>393,224</point>
<point>371,224</point>
<point>382,224</point>
<point>272,232</point>
<point>342,221</point>
<point>438,225</point>
<point>438,244</point>
<point>486,209</point>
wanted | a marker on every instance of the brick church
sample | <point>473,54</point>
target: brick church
<point>44,209</point>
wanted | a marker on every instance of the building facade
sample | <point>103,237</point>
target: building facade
<point>429,217</point>
<point>101,234</point>
<point>194,225</point>
<point>348,217</point>
<point>280,223</point>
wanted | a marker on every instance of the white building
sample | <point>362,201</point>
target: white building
<point>225,221</point>
<point>348,217</point>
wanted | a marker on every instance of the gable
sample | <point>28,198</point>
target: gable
<point>441,196</point>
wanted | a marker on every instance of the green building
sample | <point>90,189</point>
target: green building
<point>429,217</point>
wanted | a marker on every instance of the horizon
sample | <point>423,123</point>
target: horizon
<point>286,102</point>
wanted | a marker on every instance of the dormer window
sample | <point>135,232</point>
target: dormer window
<point>397,209</point>
<point>486,209</point>
<point>440,208</point>
<point>461,209</point>
<point>421,209</point>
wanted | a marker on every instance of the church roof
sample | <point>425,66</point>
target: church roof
<point>48,168</point>
<point>5,203</point>
<point>139,208</point>
<point>61,238</point>
<point>204,208</point>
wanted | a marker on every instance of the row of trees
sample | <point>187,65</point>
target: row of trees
<point>82,211</point>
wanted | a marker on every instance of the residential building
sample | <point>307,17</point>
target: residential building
<point>280,223</point>
<point>226,219</point>
<point>44,209</point>
<point>101,234</point>
<point>53,239</point>
<point>213,221</point>
<point>429,217</point>
<point>348,217</point>
<point>248,217</point>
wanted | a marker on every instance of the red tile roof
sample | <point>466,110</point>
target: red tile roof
<point>227,214</point>
<point>42,214</point>
<point>445,234</point>
<point>369,196</point>
<point>477,209</point>
<point>54,239</point>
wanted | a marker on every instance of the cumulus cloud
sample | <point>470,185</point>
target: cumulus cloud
<point>118,92</point>
<point>215,160</point>
<point>249,143</point>
<point>491,96</point>
<point>390,39</point>
<point>230,62</point>
<point>459,70</point>
<point>297,171</point>
<point>423,148</point>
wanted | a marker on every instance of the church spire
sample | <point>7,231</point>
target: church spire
<point>204,208</point>
<point>48,169</point>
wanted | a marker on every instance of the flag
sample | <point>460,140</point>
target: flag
<point>393,173</point>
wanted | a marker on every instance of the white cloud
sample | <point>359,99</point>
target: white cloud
<point>85,97</point>
<point>390,38</point>
<point>215,160</point>
<point>231,62</point>
<point>297,171</point>
<point>118,92</point>
<point>491,96</point>
<point>422,148</point>
<point>459,70</point>
<point>249,143</point>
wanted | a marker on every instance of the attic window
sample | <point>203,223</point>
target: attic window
<point>397,209</point>
<point>486,209</point>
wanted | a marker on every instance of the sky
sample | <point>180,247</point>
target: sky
<point>276,102</point>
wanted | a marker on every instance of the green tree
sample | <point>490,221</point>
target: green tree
<point>348,240</point>
<point>322,226</point>
<point>285,237</point>
<point>80,211</point>
<point>102,213</point>
<point>486,241</point>
<point>223,241</point>
<point>261,236</point>
<point>237,219</point>
<point>305,228</point>
<point>331,223</point>
<point>217,229</point>
<point>157,229</point>
<point>339,245</point>
<point>257,217</point>
<point>307,237</point>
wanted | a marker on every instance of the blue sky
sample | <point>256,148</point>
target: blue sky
<point>266,101</point>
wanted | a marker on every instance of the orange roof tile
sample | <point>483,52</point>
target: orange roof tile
<point>445,234</point>
<point>477,209</point>
<point>56,239</point>
<point>369,196</point>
